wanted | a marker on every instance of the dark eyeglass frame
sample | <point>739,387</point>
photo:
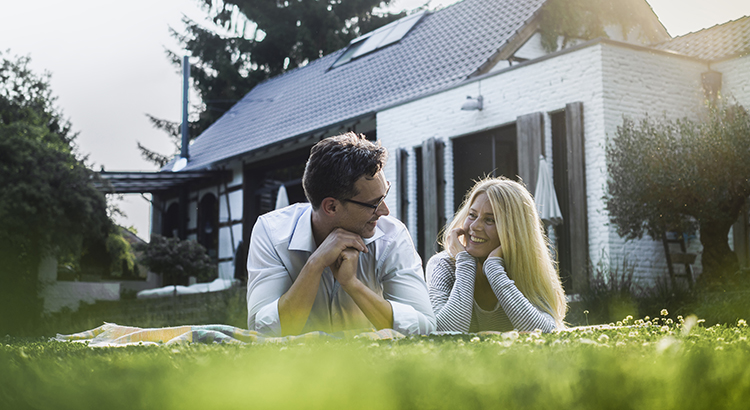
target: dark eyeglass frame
<point>371,206</point>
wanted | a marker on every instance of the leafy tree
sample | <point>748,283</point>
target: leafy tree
<point>177,259</point>
<point>48,205</point>
<point>682,175</point>
<point>121,256</point>
<point>266,38</point>
<point>587,19</point>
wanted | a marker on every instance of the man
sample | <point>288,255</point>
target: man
<point>339,262</point>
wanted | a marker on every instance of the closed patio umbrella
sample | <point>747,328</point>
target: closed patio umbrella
<point>282,199</point>
<point>546,197</point>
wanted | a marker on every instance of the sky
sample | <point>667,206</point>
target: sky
<point>109,68</point>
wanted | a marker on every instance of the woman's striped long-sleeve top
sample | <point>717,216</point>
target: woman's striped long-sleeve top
<point>451,286</point>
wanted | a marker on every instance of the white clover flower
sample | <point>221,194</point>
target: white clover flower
<point>691,321</point>
<point>664,312</point>
<point>513,335</point>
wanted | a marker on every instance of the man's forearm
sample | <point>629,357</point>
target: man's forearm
<point>377,309</point>
<point>296,303</point>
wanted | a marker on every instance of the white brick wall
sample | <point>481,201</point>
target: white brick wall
<point>735,79</point>
<point>611,80</point>
<point>234,233</point>
<point>639,82</point>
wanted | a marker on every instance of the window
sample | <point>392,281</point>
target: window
<point>171,222</point>
<point>488,153</point>
<point>384,36</point>
<point>208,224</point>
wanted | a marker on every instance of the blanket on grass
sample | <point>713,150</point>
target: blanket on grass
<point>111,334</point>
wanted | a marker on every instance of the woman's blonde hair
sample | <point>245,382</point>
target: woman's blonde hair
<point>525,246</point>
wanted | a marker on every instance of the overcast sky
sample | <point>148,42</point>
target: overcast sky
<point>109,68</point>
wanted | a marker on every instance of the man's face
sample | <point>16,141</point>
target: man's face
<point>358,214</point>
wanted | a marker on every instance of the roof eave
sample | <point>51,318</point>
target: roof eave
<point>510,46</point>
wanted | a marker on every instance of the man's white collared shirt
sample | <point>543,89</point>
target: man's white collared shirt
<point>280,245</point>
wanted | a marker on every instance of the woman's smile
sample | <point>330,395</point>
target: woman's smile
<point>481,228</point>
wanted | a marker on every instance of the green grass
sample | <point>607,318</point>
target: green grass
<point>651,364</point>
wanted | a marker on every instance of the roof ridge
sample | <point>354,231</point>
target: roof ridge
<point>703,30</point>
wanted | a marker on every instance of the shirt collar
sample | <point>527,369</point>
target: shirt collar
<point>302,236</point>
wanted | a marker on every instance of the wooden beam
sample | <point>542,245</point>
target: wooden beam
<point>507,50</point>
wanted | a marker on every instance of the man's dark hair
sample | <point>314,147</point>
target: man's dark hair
<point>336,163</point>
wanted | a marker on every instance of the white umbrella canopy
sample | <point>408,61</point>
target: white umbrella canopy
<point>282,199</point>
<point>546,197</point>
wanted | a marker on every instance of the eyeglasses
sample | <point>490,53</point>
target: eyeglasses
<point>374,207</point>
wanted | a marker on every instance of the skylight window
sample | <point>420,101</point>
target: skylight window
<point>386,35</point>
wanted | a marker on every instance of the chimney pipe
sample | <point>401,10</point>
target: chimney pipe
<point>184,126</point>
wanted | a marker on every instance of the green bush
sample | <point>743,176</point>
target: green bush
<point>177,260</point>
<point>614,294</point>
<point>684,175</point>
<point>48,205</point>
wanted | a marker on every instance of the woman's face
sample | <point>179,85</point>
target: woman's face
<point>480,228</point>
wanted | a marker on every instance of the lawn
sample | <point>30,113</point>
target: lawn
<point>645,364</point>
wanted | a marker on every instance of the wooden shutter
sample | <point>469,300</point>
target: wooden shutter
<point>529,140</point>
<point>402,199</point>
<point>577,210</point>
<point>433,185</point>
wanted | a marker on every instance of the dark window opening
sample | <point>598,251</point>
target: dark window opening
<point>170,227</point>
<point>489,153</point>
<point>262,183</point>
<point>208,225</point>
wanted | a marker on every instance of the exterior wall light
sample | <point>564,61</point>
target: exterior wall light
<point>473,104</point>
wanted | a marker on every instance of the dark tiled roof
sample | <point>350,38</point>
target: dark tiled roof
<point>443,49</point>
<point>717,42</point>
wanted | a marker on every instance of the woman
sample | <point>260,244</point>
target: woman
<point>496,272</point>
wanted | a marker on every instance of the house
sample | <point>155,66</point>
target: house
<point>405,85</point>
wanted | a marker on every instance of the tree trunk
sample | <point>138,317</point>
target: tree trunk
<point>718,261</point>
